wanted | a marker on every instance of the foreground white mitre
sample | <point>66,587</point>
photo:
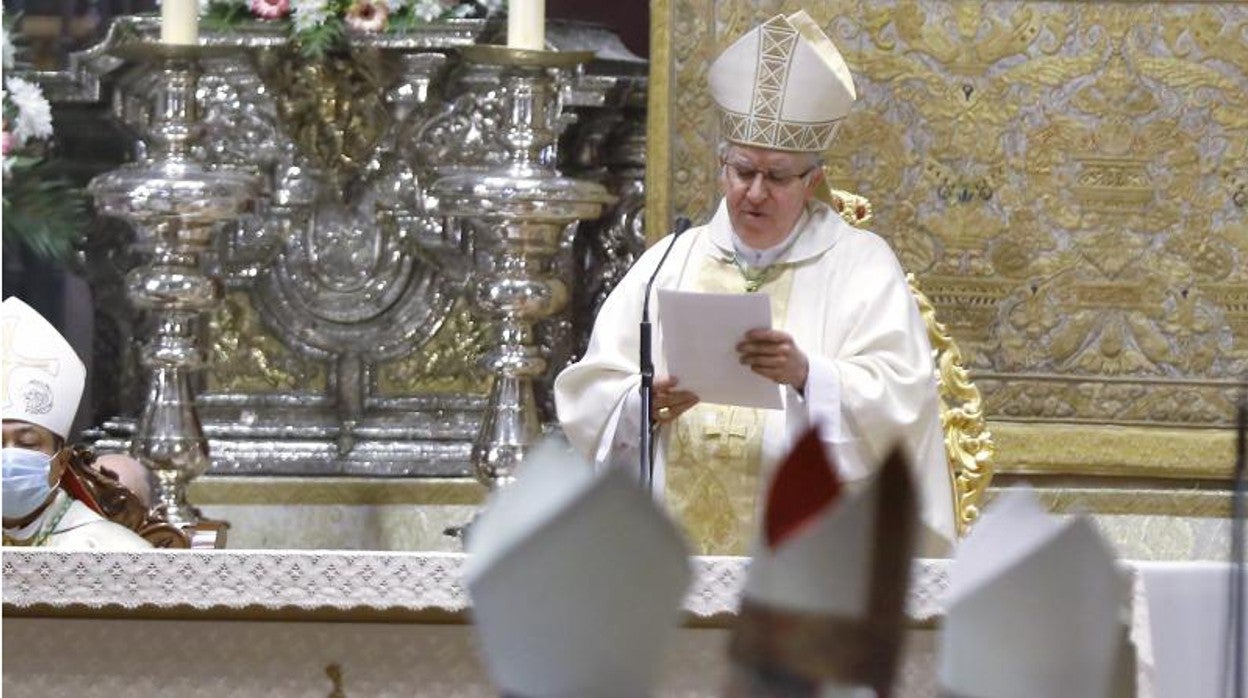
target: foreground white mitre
<point>823,605</point>
<point>576,579</point>
<point>1035,608</point>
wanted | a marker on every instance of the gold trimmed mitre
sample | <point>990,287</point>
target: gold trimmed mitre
<point>782,86</point>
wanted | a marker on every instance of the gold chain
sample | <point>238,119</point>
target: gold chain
<point>756,278</point>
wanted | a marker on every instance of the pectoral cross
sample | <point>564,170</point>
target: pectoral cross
<point>725,436</point>
<point>11,361</point>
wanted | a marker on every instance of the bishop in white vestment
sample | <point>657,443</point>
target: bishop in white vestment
<point>42,382</point>
<point>847,345</point>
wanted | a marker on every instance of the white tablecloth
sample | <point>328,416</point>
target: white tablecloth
<point>1188,616</point>
<point>147,599</point>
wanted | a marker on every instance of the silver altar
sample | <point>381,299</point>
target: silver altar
<point>345,343</point>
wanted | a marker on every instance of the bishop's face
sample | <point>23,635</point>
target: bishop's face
<point>19,434</point>
<point>32,437</point>
<point>766,192</point>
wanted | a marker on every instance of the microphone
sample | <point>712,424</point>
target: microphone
<point>646,363</point>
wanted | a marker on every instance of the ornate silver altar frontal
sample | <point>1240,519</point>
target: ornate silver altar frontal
<point>346,342</point>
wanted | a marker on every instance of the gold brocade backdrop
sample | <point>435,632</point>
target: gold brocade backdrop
<point>1067,179</point>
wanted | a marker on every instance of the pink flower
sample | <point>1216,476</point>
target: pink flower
<point>270,9</point>
<point>8,142</point>
<point>367,16</point>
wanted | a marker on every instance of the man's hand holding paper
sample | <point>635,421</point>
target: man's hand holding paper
<point>671,401</point>
<point>705,342</point>
<point>773,354</point>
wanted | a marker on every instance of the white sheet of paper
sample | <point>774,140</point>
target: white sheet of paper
<point>700,336</point>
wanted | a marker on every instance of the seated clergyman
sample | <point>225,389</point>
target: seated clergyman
<point>130,473</point>
<point>44,503</point>
<point>848,345</point>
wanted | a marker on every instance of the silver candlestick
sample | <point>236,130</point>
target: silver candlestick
<point>523,212</point>
<point>174,203</point>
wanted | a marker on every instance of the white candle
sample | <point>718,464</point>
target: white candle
<point>526,24</point>
<point>179,21</point>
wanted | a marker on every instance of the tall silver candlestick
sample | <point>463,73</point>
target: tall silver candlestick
<point>523,210</point>
<point>174,203</point>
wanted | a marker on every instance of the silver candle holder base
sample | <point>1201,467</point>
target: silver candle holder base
<point>525,212</point>
<point>174,204</point>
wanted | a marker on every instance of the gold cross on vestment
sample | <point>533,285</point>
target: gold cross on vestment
<point>726,435</point>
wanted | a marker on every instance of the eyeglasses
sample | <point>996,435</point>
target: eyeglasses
<point>743,175</point>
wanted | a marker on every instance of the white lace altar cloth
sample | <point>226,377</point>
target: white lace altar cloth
<point>323,580</point>
<point>135,605</point>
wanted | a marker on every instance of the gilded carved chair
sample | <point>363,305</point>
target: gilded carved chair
<point>968,443</point>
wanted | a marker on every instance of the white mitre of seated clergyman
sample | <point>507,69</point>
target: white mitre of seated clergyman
<point>576,579</point>
<point>1036,608</point>
<point>42,377</point>
<point>823,609</point>
<point>782,86</point>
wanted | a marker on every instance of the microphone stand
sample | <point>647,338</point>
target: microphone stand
<point>646,363</point>
<point>1235,649</point>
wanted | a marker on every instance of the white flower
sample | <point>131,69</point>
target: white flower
<point>6,48</point>
<point>34,114</point>
<point>493,7</point>
<point>309,13</point>
<point>427,10</point>
<point>393,6</point>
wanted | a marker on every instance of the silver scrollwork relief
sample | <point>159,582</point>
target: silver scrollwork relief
<point>347,272</point>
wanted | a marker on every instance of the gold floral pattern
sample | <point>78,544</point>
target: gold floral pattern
<point>1066,178</point>
<point>449,363</point>
<point>246,357</point>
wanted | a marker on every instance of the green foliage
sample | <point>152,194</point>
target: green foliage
<point>403,22</point>
<point>225,16</point>
<point>316,41</point>
<point>42,213</point>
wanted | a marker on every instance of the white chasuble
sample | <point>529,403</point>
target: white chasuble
<point>872,380</point>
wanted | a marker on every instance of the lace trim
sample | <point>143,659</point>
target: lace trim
<point>278,580</point>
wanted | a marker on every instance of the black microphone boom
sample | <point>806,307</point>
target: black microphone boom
<point>1234,670</point>
<point>646,364</point>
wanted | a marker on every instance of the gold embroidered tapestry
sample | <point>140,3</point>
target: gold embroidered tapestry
<point>1069,182</point>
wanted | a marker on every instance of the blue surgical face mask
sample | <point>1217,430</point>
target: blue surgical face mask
<point>25,486</point>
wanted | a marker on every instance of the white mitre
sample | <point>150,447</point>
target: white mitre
<point>782,86</point>
<point>824,597</point>
<point>41,377</point>
<point>1036,608</point>
<point>576,579</point>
